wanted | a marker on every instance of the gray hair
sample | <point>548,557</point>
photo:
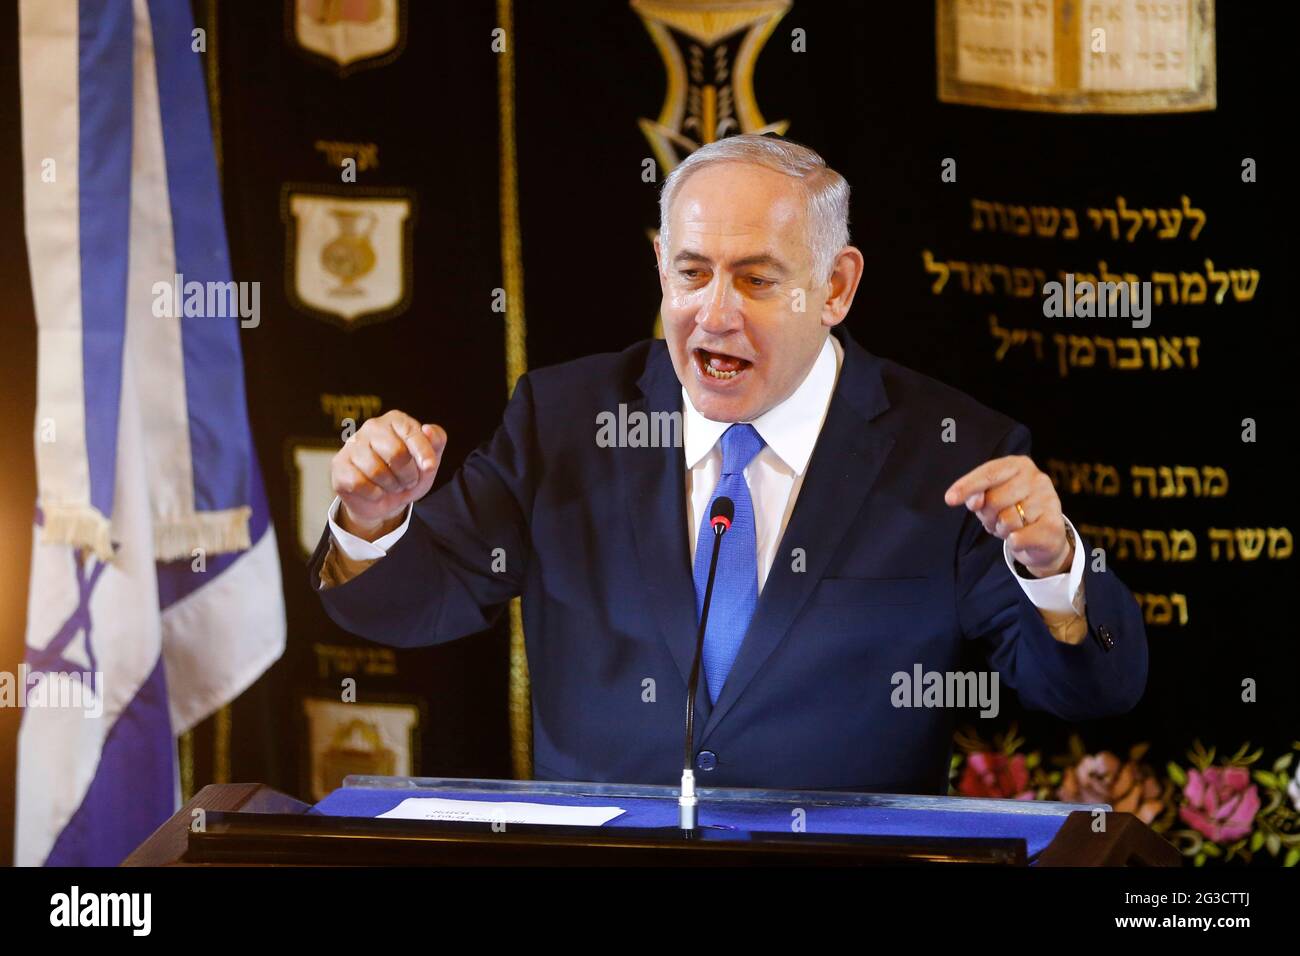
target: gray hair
<point>826,190</point>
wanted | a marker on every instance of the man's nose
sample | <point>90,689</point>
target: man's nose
<point>720,310</point>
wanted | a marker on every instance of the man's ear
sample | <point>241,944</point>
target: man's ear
<point>843,285</point>
<point>659,266</point>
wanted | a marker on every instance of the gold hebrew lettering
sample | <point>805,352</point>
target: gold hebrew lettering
<point>1126,535</point>
<point>1083,354</point>
<point>1062,366</point>
<point>1250,543</point>
<point>1080,478</point>
<point>1211,477</point>
<point>1159,610</point>
<point>1221,535</point>
<point>1220,277</point>
<point>1102,342</point>
<point>1172,221</point>
<point>1184,473</point>
<point>1047,219</point>
<point>1023,282</point>
<point>998,332</point>
<point>1193,287</point>
<point>1100,215</point>
<point>1139,472</point>
<point>1107,480</point>
<point>1182,544</point>
<point>1171,352</point>
<point>1121,207</point>
<point>1020,212</point>
<point>1005,273</point>
<point>1071,230</point>
<point>1152,537</point>
<point>1136,360</point>
<point>935,268</point>
<point>1279,542</point>
<point>1190,213</point>
<point>1158,282</point>
<point>1244,283</point>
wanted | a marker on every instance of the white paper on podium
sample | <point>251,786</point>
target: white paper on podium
<point>484,811</point>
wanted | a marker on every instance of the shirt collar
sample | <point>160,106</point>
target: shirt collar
<point>790,429</point>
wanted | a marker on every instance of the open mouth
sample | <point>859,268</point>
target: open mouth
<point>720,367</point>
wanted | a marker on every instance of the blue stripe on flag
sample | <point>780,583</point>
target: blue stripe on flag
<point>105,54</point>
<point>214,375</point>
<point>114,818</point>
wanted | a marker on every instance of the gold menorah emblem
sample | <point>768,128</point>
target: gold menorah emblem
<point>349,256</point>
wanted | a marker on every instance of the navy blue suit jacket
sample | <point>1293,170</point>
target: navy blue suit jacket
<point>595,542</point>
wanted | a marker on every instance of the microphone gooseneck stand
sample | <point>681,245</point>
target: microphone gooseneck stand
<point>720,518</point>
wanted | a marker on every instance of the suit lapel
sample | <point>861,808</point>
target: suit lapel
<point>652,482</point>
<point>846,461</point>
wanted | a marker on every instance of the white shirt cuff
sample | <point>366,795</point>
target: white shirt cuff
<point>1062,593</point>
<point>359,549</point>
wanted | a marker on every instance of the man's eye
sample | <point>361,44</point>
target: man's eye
<point>759,283</point>
<point>689,274</point>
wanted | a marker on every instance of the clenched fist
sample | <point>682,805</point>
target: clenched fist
<point>390,462</point>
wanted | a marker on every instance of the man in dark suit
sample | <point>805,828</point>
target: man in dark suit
<point>882,521</point>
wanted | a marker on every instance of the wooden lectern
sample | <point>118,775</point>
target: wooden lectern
<point>254,825</point>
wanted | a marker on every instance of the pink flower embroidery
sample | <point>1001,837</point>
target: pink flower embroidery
<point>990,774</point>
<point>1221,802</point>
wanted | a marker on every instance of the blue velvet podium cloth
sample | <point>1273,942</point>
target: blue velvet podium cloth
<point>834,812</point>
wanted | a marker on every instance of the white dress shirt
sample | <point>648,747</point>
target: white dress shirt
<point>775,475</point>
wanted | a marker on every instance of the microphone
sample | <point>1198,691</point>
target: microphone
<point>720,518</point>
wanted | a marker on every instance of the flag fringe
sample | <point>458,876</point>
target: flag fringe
<point>213,532</point>
<point>82,526</point>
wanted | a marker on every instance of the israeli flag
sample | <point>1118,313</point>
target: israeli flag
<point>155,594</point>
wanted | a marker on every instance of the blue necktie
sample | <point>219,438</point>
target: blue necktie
<point>735,584</point>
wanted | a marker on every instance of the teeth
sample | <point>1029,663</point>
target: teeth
<point>716,374</point>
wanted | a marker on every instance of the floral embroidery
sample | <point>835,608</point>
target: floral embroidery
<point>1225,811</point>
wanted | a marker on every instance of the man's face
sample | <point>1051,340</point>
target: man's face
<point>742,314</point>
